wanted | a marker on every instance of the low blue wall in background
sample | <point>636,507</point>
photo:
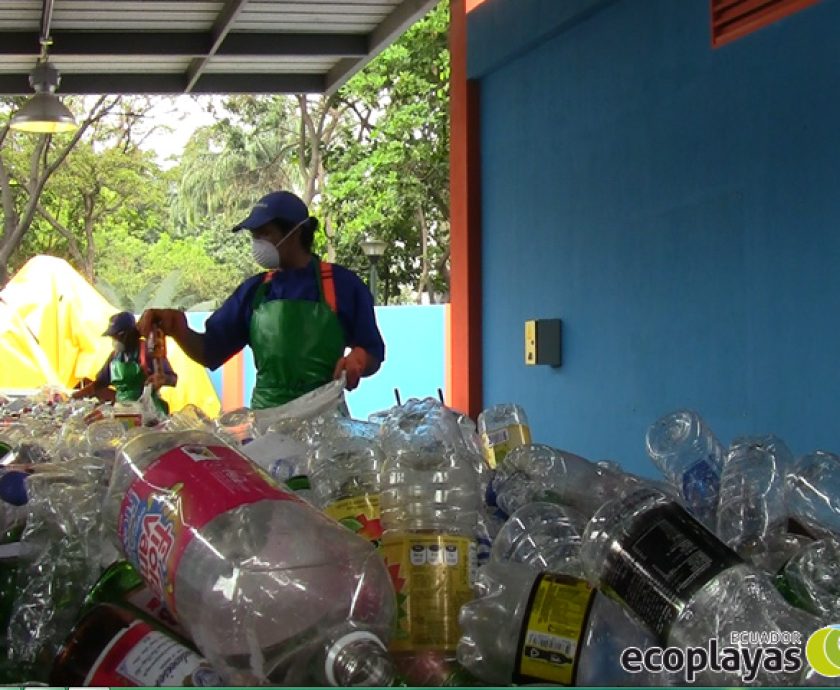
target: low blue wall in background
<point>414,358</point>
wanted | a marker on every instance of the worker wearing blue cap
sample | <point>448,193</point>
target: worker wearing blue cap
<point>308,322</point>
<point>128,369</point>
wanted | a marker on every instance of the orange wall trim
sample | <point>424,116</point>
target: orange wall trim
<point>233,379</point>
<point>472,4</point>
<point>465,391</point>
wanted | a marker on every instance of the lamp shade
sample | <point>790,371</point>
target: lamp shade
<point>44,113</point>
<point>374,248</point>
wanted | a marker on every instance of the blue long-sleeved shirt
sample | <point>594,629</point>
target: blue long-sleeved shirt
<point>228,328</point>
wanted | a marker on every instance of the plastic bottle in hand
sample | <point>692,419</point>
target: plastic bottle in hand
<point>268,588</point>
<point>345,482</point>
<point>686,451</point>
<point>685,585</point>
<point>527,626</point>
<point>502,428</point>
<point>429,511</point>
<point>752,493</point>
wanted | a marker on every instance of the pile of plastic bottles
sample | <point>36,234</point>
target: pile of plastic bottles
<point>298,546</point>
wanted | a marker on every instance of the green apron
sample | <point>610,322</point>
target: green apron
<point>296,343</point>
<point>128,379</point>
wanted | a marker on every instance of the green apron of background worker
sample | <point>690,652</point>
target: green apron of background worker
<point>128,370</point>
<point>308,322</point>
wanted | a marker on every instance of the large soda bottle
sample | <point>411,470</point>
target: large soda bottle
<point>429,510</point>
<point>686,451</point>
<point>345,482</point>
<point>688,587</point>
<point>752,493</point>
<point>268,588</point>
<point>110,647</point>
<point>527,626</point>
<point>502,428</point>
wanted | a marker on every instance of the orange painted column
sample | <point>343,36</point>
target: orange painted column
<point>233,383</point>
<point>465,392</point>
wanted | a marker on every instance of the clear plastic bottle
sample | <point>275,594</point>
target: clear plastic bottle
<point>429,510</point>
<point>686,451</point>
<point>539,472</point>
<point>527,626</point>
<point>238,426</point>
<point>502,428</point>
<point>345,481</point>
<point>811,579</point>
<point>752,491</point>
<point>683,583</point>
<point>280,455</point>
<point>269,588</point>
<point>542,535</point>
<point>813,493</point>
<point>103,438</point>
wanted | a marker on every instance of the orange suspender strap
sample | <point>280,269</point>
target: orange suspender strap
<point>143,356</point>
<point>329,286</point>
<point>268,276</point>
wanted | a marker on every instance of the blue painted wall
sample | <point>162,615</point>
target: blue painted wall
<point>414,358</point>
<point>676,205</point>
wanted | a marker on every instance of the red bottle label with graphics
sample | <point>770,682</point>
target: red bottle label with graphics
<point>179,493</point>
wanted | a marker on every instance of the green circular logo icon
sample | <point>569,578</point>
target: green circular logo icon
<point>823,651</point>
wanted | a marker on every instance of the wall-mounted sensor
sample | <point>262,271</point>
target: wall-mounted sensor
<point>543,342</point>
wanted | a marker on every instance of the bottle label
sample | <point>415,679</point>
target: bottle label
<point>500,442</point>
<point>701,483</point>
<point>664,560</point>
<point>556,620</point>
<point>179,493</point>
<point>432,577</point>
<point>359,514</point>
<point>142,657</point>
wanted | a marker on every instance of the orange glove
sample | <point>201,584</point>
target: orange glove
<point>171,321</point>
<point>354,365</point>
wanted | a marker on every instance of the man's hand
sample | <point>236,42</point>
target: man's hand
<point>157,380</point>
<point>172,321</point>
<point>354,365</point>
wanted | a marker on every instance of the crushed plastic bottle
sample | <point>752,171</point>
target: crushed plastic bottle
<point>686,451</point>
<point>238,427</point>
<point>539,472</point>
<point>501,429</point>
<point>269,589</point>
<point>752,492</point>
<point>544,536</point>
<point>811,579</point>
<point>813,493</point>
<point>688,587</point>
<point>532,627</point>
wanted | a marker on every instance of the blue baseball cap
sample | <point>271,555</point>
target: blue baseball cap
<point>282,205</point>
<point>120,323</point>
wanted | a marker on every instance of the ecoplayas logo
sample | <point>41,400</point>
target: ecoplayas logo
<point>748,655</point>
<point>823,651</point>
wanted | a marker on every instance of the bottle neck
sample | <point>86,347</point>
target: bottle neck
<point>359,659</point>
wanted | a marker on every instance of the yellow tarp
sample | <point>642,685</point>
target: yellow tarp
<point>23,365</point>
<point>67,316</point>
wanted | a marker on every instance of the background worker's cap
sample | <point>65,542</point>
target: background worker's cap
<point>120,323</point>
<point>283,206</point>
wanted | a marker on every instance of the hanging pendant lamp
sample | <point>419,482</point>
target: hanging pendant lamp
<point>44,113</point>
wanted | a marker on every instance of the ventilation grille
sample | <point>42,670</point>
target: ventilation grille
<point>732,19</point>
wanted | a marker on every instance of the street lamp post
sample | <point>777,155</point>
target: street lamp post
<point>374,249</point>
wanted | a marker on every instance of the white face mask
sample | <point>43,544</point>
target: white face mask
<point>267,254</point>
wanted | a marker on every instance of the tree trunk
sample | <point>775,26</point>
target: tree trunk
<point>424,255</point>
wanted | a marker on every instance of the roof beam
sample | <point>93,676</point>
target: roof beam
<point>165,84</point>
<point>221,28</point>
<point>185,44</point>
<point>391,28</point>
